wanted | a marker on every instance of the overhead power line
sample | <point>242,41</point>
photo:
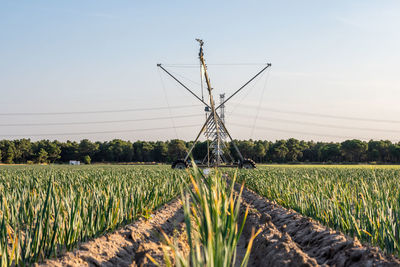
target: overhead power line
<point>319,124</point>
<point>98,122</point>
<point>294,132</point>
<point>98,132</point>
<point>323,115</point>
<point>185,78</point>
<point>93,112</point>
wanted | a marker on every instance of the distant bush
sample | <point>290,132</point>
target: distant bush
<point>87,159</point>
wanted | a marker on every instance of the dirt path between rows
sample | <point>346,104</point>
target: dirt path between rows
<point>287,239</point>
<point>290,239</point>
<point>129,245</point>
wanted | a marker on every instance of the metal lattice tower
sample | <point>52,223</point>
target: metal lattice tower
<point>216,132</point>
<point>218,138</point>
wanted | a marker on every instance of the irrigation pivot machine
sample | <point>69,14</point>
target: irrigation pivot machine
<point>214,127</point>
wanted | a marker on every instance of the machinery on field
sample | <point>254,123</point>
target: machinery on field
<point>214,127</point>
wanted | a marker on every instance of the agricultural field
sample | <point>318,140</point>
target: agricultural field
<point>136,215</point>
<point>45,210</point>
<point>361,201</point>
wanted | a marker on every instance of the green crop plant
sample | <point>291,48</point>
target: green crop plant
<point>360,201</point>
<point>45,210</point>
<point>211,208</point>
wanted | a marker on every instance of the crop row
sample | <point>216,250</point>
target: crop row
<point>46,210</point>
<point>361,202</point>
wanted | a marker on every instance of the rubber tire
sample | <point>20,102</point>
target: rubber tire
<point>248,164</point>
<point>180,164</point>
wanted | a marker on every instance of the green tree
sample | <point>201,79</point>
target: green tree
<point>160,152</point>
<point>10,154</point>
<point>86,147</point>
<point>379,150</point>
<point>69,151</point>
<point>331,152</point>
<point>7,147</point>
<point>354,150</point>
<point>294,149</point>
<point>87,159</point>
<point>120,151</point>
<point>53,150</point>
<point>260,151</point>
<point>176,149</point>
<point>279,151</point>
<point>147,149</point>
<point>42,156</point>
<point>247,147</point>
<point>24,148</point>
<point>137,148</point>
<point>394,151</point>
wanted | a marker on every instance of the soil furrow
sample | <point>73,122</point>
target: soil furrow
<point>129,245</point>
<point>272,247</point>
<point>286,239</point>
<point>307,242</point>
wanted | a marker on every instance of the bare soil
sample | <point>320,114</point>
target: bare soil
<point>290,239</point>
<point>287,239</point>
<point>128,246</point>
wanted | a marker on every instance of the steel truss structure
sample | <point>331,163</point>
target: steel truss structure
<point>214,127</point>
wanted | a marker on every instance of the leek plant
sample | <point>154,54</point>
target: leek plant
<point>359,201</point>
<point>46,210</point>
<point>212,208</point>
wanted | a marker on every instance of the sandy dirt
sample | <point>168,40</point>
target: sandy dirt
<point>129,245</point>
<point>290,239</point>
<point>287,239</point>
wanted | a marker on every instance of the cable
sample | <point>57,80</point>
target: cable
<point>248,92</point>
<point>323,115</point>
<point>296,132</point>
<point>92,112</point>
<point>185,78</point>
<point>100,132</point>
<point>259,104</point>
<point>166,99</point>
<point>97,122</point>
<point>319,124</point>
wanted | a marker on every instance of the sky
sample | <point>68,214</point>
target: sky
<point>334,73</point>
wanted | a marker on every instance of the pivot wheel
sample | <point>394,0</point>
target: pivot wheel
<point>248,164</point>
<point>179,164</point>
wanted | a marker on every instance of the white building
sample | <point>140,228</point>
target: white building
<point>74,162</point>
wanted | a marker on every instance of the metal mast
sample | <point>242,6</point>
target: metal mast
<point>215,131</point>
<point>222,107</point>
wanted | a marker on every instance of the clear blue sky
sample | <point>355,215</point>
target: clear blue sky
<point>339,58</point>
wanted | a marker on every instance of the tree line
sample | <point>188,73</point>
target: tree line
<point>280,151</point>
